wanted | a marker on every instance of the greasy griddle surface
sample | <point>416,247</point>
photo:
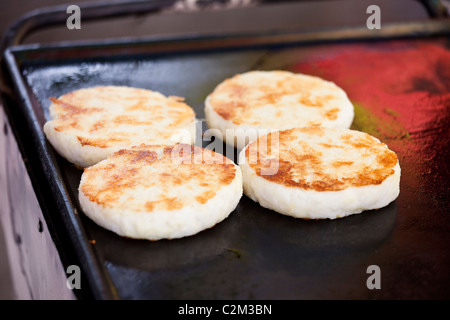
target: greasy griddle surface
<point>255,253</point>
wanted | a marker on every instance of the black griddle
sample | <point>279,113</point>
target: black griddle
<point>255,253</point>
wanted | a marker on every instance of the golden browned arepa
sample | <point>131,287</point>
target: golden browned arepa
<point>89,124</point>
<point>249,104</point>
<point>319,173</point>
<point>158,192</point>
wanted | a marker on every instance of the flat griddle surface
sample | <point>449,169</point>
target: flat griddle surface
<point>256,253</point>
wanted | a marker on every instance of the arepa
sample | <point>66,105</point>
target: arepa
<point>89,124</point>
<point>320,173</point>
<point>158,192</point>
<point>252,103</point>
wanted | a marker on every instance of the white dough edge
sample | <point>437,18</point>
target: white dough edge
<point>239,136</point>
<point>166,224</point>
<point>68,146</point>
<point>310,204</point>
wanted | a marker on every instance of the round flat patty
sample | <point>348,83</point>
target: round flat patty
<point>276,100</point>
<point>89,124</point>
<point>160,191</point>
<point>318,172</point>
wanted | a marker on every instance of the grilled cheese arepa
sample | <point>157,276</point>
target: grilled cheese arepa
<point>158,192</point>
<point>247,104</point>
<point>89,124</point>
<point>320,173</point>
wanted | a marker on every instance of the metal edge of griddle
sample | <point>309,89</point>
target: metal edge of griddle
<point>58,210</point>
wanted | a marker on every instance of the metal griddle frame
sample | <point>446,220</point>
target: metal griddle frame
<point>63,223</point>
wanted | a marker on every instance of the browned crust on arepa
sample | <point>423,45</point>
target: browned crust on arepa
<point>86,114</point>
<point>163,166</point>
<point>235,99</point>
<point>306,168</point>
